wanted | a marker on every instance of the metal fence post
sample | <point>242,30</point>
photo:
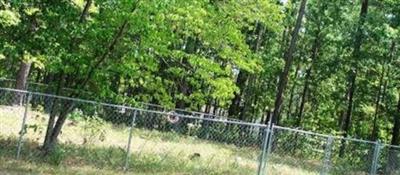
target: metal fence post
<point>327,156</point>
<point>264,150</point>
<point>23,125</point>
<point>128,149</point>
<point>375,159</point>
<point>269,147</point>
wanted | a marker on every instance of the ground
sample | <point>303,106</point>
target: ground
<point>98,147</point>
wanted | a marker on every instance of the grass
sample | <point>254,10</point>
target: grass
<point>98,147</point>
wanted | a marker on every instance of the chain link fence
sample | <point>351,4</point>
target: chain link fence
<point>151,141</point>
<point>46,88</point>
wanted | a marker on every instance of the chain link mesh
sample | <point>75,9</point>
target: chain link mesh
<point>350,156</point>
<point>151,140</point>
<point>295,151</point>
<point>211,145</point>
<point>11,117</point>
<point>389,161</point>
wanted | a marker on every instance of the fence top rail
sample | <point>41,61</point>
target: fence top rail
<point>228,121</point>
<point>142,103</point>
<point>327,136</point>
<point>301,131</point>
<point>358,140</point>
<point>391,146</point>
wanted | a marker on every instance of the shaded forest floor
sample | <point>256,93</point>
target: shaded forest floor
<point>96,147</point>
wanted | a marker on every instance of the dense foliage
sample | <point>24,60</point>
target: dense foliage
<point>215,56</point>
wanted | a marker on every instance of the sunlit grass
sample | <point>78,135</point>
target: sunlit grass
<point>98,147</point>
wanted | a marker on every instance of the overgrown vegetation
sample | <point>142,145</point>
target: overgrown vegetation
<point>93,145</point>
<point>153,152</point>
<point>337,62</point>
<point>103,145</point>
<point>325,66</point>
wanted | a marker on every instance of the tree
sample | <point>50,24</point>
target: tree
<point>220,57</point>
<point>283,78</point>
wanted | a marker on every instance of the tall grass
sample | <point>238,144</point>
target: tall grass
<point>90,145</point>
<point>95,145</point>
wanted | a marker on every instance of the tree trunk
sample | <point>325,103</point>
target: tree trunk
<point>51,137</point>
<point>267,117</point>
<point>183,88</point>
<point>381,92</point>
<point>374,134</point>
<point>207,108</point>
<point>303,97</point>
<point>115,84</point>
<point>396,126</point>
<point>314,55</point>
<point>21,81</point>
<point>263,118</point>
<point>244,109</point>
<point>215,109</point>
<point>234,108</point>
<point>54,110</point>
<point>25,65</point>
<point>386,81</point>
<point>353,73</point>
<point>53,134</point>
<point>393,157</point>
<point>289,111</point>
<point>283,79</point>
<point>85,11</point>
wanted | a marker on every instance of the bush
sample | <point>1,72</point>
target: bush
<point>56,156</point>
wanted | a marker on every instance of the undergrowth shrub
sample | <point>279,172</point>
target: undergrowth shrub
<point>93,126</point>
<point>94,130</point>
<point>56,156</point>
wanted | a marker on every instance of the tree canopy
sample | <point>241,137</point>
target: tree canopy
<point>325,66</point>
